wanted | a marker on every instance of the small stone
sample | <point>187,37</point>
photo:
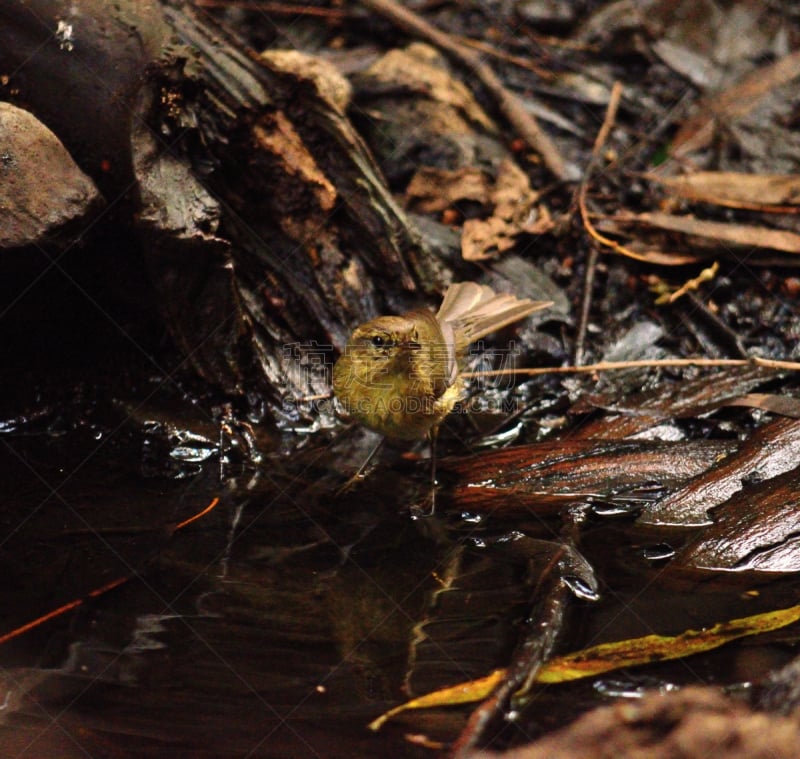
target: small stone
<point>41,187</point>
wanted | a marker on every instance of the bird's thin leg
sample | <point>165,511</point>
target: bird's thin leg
<point>434,436</point>
<point>359,475</point>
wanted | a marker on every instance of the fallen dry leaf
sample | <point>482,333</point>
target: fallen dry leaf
<point>783,405</point>
<point>737,234</point>
<point>642,250</point>
<point>738,100</point>
<point>432,190</point>
<point>735,189</point>
<point>515,212</point>
<point>485,238</point>
<point>419,68</point>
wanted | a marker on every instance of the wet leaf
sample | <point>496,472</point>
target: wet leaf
<point>654,648</point>
<point>552,473</point>
<point>463,693</point>
<point>756,529</point>
<point>636,412</point>
<point>607,657</point>
<point>772,450</point>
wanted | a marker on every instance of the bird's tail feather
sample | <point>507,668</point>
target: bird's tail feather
<point>473,311</point>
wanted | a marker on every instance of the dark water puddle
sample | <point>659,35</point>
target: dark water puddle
<point>283,621</point>
<point>252,632</point>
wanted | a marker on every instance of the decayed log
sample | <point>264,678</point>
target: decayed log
<point>267,228</point>
<point>315,234</point>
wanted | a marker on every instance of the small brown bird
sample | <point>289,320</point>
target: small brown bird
<point>400,375</point>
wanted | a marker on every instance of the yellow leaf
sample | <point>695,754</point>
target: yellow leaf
<point>654,648</point>
<point>606,657</point>
<point>463,693</point>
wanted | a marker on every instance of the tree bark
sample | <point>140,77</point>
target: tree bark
<point>266,226</point>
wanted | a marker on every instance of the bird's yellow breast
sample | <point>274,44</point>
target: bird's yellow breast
<point>393,376</point>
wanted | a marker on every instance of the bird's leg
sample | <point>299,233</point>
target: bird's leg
<point>359,475</point>
<point>433,436</point>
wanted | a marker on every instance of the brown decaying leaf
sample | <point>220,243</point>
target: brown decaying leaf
<point>515,212</point>
<point>757,529</point>
<point>417,68</point>
<point>638,412</point>
<point>736,101</point>
<point>432,190</point>
<point>525,124</point>
<point>663,257</point>
<point>642,250</point>
<point>482,239</point>
<point>737,190</point>
<point>770,451</point>
<point>784,405</point>
<point>736,234</point>
<point>595,460</point>
<point>552,473</point>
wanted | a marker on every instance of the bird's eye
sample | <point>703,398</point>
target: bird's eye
<point>378,342</point>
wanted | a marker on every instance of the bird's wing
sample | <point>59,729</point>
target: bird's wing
<point>473,311</point>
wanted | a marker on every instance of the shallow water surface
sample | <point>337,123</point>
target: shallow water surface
<point>283,620</point>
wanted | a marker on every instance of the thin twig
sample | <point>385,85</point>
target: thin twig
<point>97,592</point>
<point>602,136</point>
<point>514,60</point>
<point>586,305</point>
<point>608,123</point>
<point>186,522</point>
<point>591,262</point>
<point>526,125</point>
<point>276,9</point>
<point>694,283</point>
<point>610,366</point>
